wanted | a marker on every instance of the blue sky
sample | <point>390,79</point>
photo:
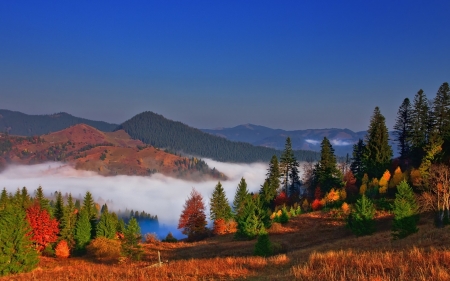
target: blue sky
<point>281,64</point>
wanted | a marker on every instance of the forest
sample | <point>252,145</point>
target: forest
<point>155,130</point>
<point>403,202</point>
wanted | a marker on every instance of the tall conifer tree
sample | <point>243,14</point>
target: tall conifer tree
<point>403,129</point>
<point>219,206</point>
<point>327,175</point>
<point>240,196</point>
<point>420,125</point>
<point>287,160</point>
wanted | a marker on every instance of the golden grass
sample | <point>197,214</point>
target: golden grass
<point>318,246</point>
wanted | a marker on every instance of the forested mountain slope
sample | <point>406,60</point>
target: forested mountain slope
<point>154,129</point>
<point>17,123</point>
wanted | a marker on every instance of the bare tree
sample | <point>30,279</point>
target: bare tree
<point>438,191</point>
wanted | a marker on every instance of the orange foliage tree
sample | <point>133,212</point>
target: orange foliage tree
<point>62,249</point>
<point>384,181</point>
<point>316,205</point>
<point>44,228</point>
<point>193,219</point>
<point>397,178</point>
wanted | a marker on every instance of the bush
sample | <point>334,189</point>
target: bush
<point>48,251</point>
<point>361,219</point>
<point>104,249</point>
<point>284,218</point>
<point>169,238</point>
<point>62,249</point>
<point>151,238</point>
<point>263,246</point>
<point>316,205</point>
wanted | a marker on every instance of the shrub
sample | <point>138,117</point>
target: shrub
<point>62,249</point>
<point>275,228</point>
<point>316,205</point>
<point>169,238</point>
<point>104,249</point>
<point>48,251</point>
<point>151,238</point>
<point>220,227</point>
<point>284,218</point>
<point>360,221</point>
<point>263,246</point>
<point>345,208</point>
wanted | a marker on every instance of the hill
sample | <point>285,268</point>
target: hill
<point>154,129</point>
<point>17,123</point>
<point>107,153</point>
<point>310,139</point>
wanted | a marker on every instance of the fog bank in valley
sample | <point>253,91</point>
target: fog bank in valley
<point>156,194</point>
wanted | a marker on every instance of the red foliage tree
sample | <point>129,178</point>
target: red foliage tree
<point>318,193</point>
<point>350,183</point>
<point>316,205</point>
<point>193,218</point>
<point>44,228</point>
<point>62,249</point>
<point>281,199</point>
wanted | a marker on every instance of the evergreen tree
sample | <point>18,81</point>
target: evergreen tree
<point>405,211</point>
<point>420,123</point>
<point>89,206</point>
<point>16,249</point>
<point>441,111</point>
<point>132,236</point>
<point>287,159</point>
<point>83,230</point>
<point>43,202</point>
<point>68,222</point>
<point>357,165</point>
<point>327,174</point>
<point>294,187</point>
<point>25,198</point>
<point>361,219</point>
<point>249,222</point>
<point>240,196</point>
<point>263,246</point>
<point>3,199</point>
<point>270,187</point>
<point>106,227</point>
<point>403,129</point>
<point>378,152</point>
<point>219,206</point>
<point>193,219</point>
<point>58,210</point>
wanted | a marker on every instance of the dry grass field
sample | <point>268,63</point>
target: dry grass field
<point>313,246</point>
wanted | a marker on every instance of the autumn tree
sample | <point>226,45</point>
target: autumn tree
<point>44,228</point>
<point>219,206</point>
<point>17,253</point>
<point>193,219</point>
<point>378,152</point>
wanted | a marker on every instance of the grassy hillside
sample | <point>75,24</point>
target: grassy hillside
<point>17,123</point>
<point>158,131</point>
<point>316,246</point>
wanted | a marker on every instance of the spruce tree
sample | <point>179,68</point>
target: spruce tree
<point>25,198</point>
<point>89,207</point>
<point>17,253</point>
<point>405,211</point>
<point>361,219</point>
<point>263,246</point>
<point>294,187</point>
<point>441,111</point>
<point>219,206</point>
<point>327,174</point>
<point>106,227</point>
<point>420,123</point>
<point>83,230</point>
<point>58,210</point>
<point>43,202</point>
<point>270,187</point>
<point>3,199</point>
<point>287,159</point>
<point>357,165</point>
<point>68,222</point>
<point>240,196</point>
<point>249,222</point>
<point>132,236</point>
<point>403,129</point>
<point>378,152</point>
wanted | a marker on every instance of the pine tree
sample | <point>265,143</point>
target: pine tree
<point>3,199</point>
<point>270,187</point>
<point>420,123</point>
<point>294,187</point>
<point>132,236</point>
<point>249,221</point>
<point>43,202</point>
<point>82,233</point>
<point>240,196</point>
<point>361,219</point>
<point>68,222</point>
<point>219,206</point>
<point>403,129</point>
<point>327,175</point>
<point>378,152</point>
<point>58,210</point>
<point>89,206</point>
<point>193,219</point>
<point>25,198</point>
<point>106,227</point>
<point>287,159</point>
<point>263,246</point>
<point>16,249</point>
<point>405,211</point>
<point>441,111</point>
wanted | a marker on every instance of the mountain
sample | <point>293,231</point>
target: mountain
<point>107,153</point>
<point>310,139</point>
<point>21,124</point>
<point>154,129</point>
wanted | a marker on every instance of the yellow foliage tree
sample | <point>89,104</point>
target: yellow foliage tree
<point>397,178</point>
<point>416,178</point>
<point>305,205</point>
<point>342,194</point>
<point>384,182</point>
<point>332,196</point>
<point>363,189</point>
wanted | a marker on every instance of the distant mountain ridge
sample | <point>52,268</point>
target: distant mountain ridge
<point>309,139</point>
<point>156,130</point>
<point>18,123</point>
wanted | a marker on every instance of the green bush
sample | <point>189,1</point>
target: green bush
<point>361,219</point>
<point>263,246</point>
<point>169,238</point>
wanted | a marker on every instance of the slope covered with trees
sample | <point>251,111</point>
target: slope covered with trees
<point>17,123</point>
<point>154,129</point>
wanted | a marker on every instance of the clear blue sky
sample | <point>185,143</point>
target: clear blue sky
<point>282,64</point>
